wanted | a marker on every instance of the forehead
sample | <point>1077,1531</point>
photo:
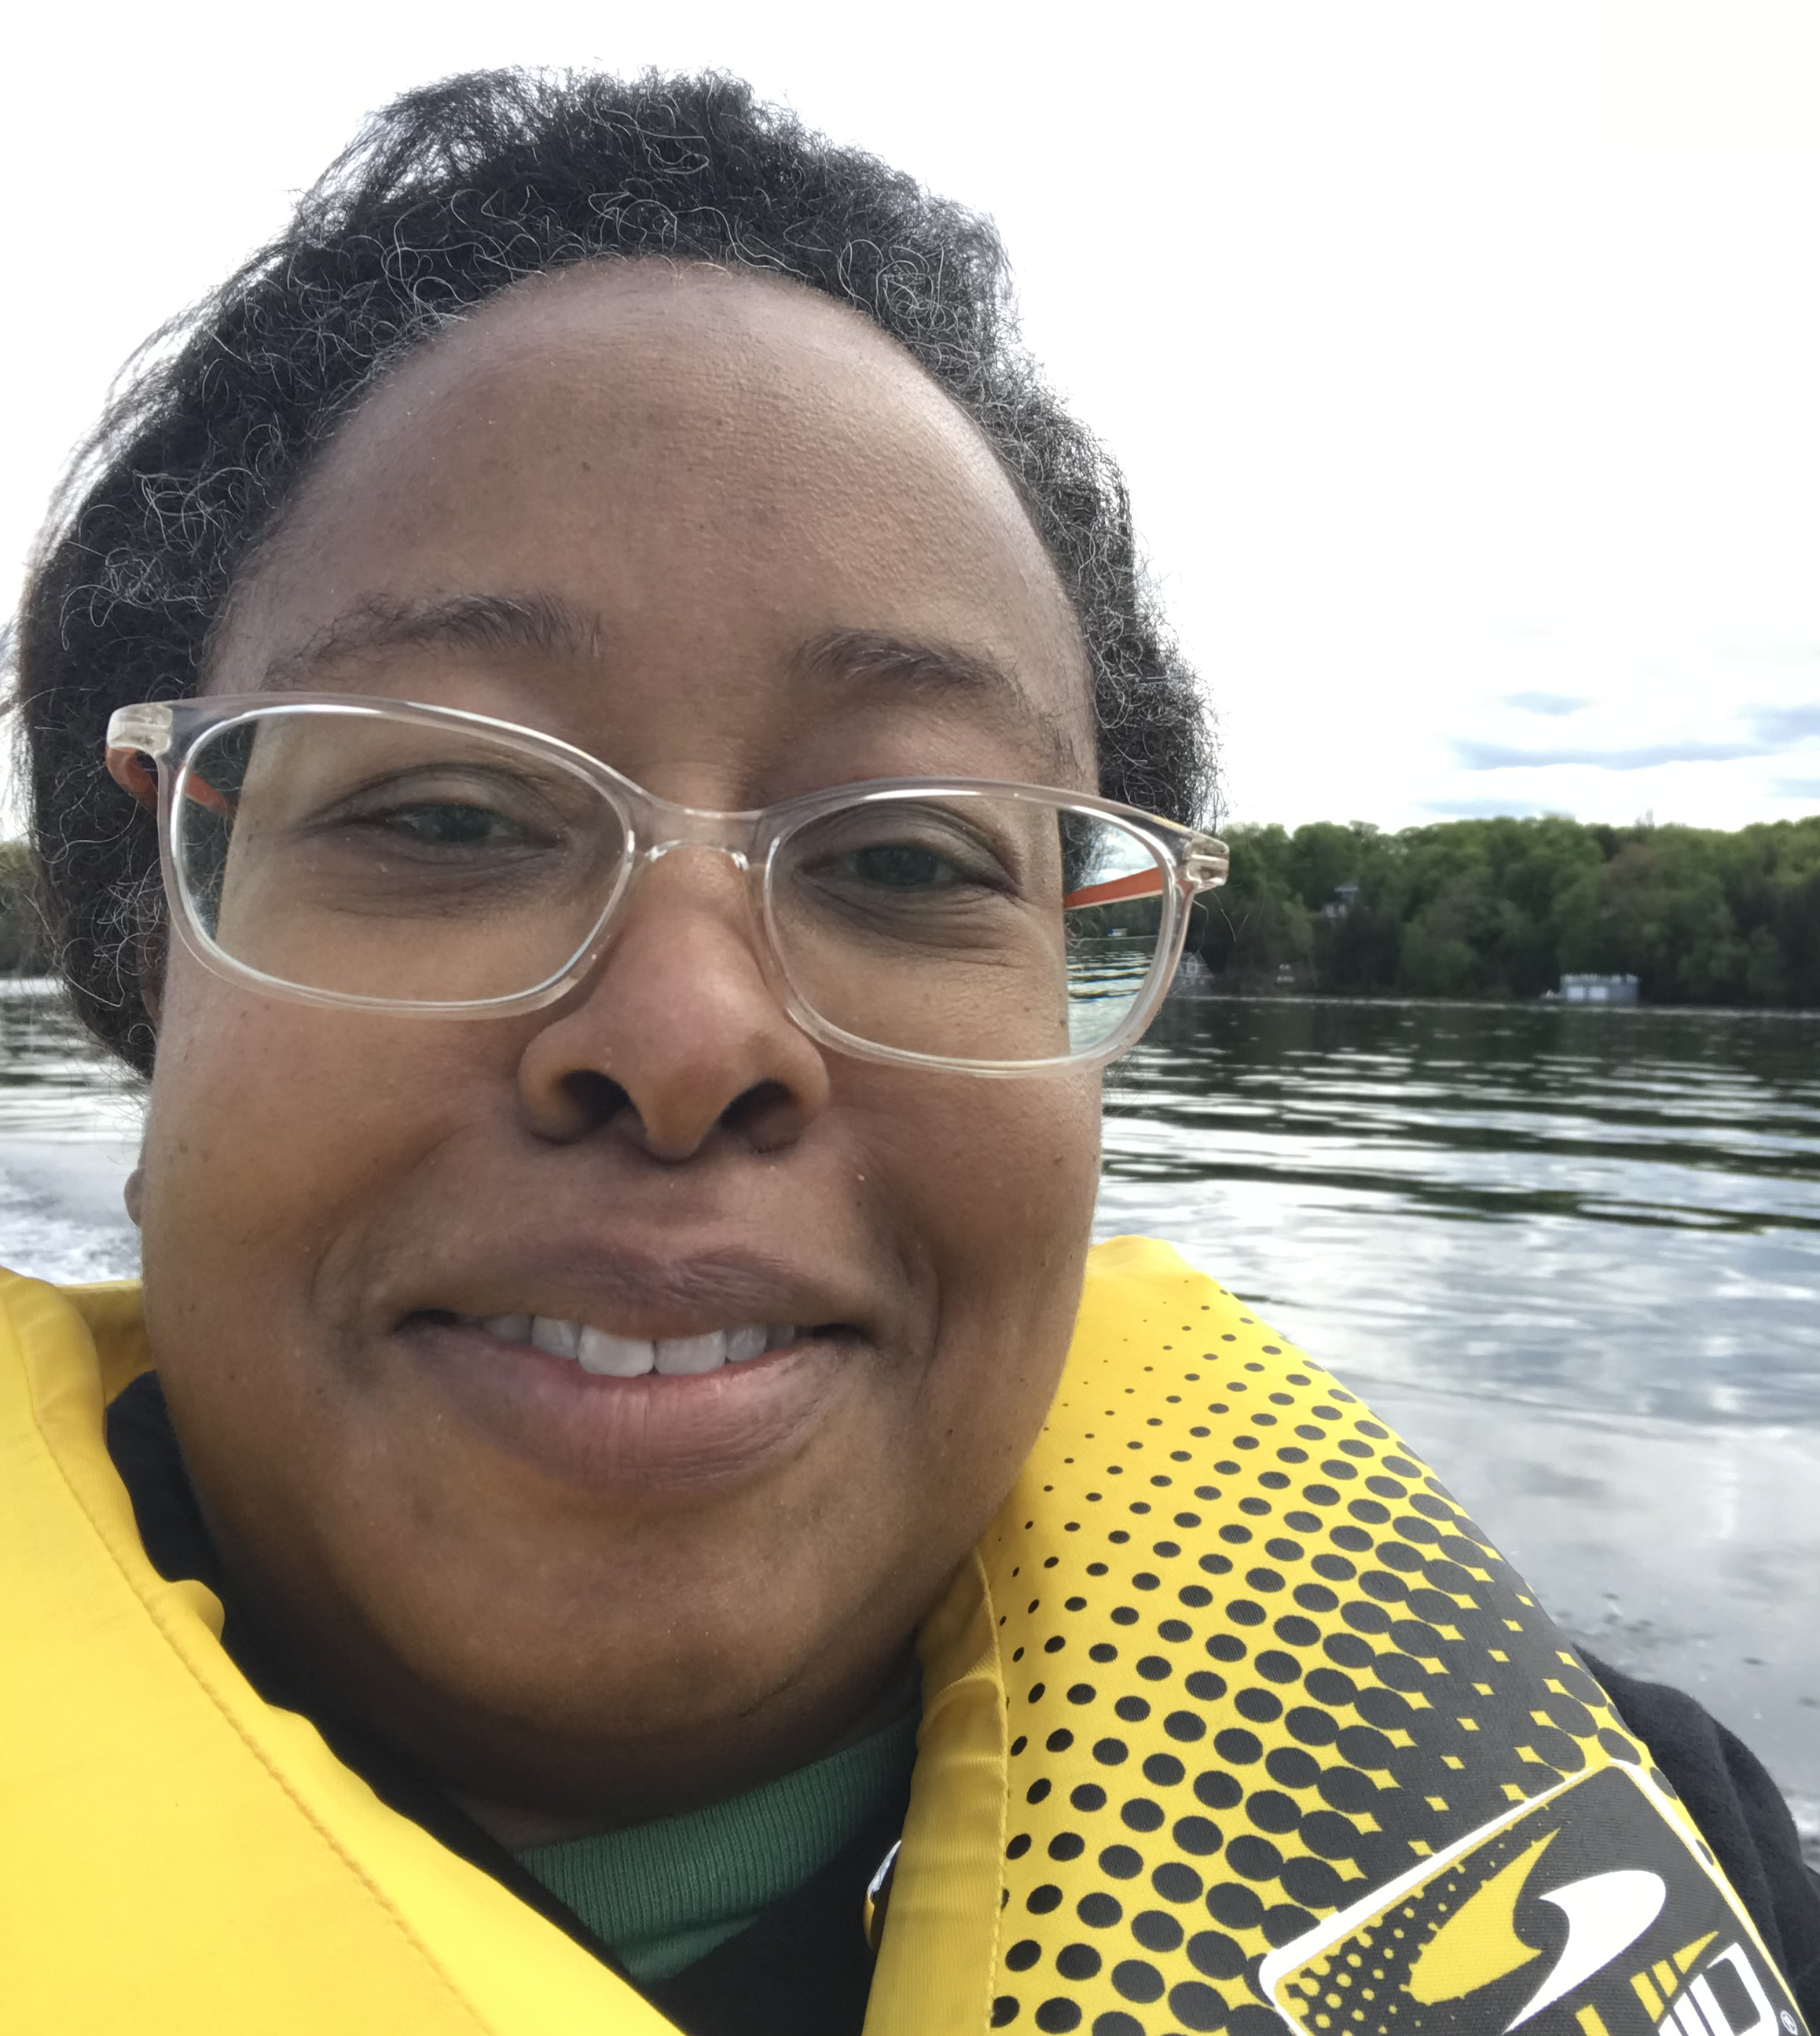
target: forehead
<point>710,475</point>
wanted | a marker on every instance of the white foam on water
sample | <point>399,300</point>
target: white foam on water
<point>61,1215</point>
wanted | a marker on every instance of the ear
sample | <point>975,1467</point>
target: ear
<point>133,1194</point>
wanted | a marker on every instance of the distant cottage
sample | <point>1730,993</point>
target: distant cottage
<point>1194,979</point>
<point>1598,989</point>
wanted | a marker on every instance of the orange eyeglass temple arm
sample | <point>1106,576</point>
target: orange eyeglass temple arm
<point>1146,884</point>
<point>128,771</point>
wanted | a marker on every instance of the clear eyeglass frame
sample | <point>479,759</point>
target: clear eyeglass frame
<point>168,734</point>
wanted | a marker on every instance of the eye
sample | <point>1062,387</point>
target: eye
<point>903,866</point>
<point>437,813</point>
<point>905,861</point>
<point>447,824</point>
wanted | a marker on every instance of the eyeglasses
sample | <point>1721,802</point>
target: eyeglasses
<point>382,855</point>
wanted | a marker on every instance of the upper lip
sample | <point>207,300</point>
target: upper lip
<point>638,1291</point>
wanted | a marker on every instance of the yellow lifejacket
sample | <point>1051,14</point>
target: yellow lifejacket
<point>1235,1718</point>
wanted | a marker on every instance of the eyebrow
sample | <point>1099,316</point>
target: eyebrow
<point>543,623</point>
<point>546,625</point>
<point>938,670</point>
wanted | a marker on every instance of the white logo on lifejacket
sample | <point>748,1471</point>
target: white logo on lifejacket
<point>1606,1914</point>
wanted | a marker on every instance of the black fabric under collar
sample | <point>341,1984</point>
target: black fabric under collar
<point>1728,1793</point>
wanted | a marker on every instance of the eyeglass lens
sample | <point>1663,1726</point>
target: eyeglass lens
<point>416,863</point>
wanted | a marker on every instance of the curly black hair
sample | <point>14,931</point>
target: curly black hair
<point>450,195</point>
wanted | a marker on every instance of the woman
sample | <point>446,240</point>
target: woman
<point>672,790</point>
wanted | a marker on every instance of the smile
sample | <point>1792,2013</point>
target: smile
<point>592,1406</point>
<point>609,1356</point>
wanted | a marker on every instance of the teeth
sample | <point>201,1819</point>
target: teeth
<point>559,1339</point>
<point>679,1355</point>
<point>609,1356</point>
<point>616,1357</point>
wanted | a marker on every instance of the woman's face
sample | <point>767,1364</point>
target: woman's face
<point>675,517</point>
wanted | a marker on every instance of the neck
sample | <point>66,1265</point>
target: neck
<point>519,1826</point>
<point>527,1781</point>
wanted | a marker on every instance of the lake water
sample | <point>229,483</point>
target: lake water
<point>1574,1253</point>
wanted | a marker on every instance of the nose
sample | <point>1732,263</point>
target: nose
<point>677,1040</point>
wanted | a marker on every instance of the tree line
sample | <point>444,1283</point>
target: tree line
<point>1504,908</point>
<point>24,948</point>
<point>1488,908</point>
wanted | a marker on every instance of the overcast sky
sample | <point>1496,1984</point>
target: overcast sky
<point>1464,358</point>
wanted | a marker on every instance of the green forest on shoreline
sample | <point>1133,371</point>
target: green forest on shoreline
<point>1472,908</point>
<point>24,950</point>
<point>1504,908</point>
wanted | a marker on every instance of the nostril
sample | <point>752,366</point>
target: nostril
<point>594,1100</point>
<point>767,1114</point>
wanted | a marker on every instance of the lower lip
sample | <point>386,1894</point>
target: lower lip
<point>651,1434</point>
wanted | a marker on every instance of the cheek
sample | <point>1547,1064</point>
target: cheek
<point>1001,1177</point>
<point>267,1122</point>
<point>1001,1167</point>
<point>217,1125</point>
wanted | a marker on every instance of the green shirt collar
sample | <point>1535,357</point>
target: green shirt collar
<point>662,1894</point>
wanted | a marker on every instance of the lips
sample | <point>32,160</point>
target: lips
<point>635,1371</point>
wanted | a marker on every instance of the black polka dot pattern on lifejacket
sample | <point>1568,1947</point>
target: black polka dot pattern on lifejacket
<point>1257,1663</point>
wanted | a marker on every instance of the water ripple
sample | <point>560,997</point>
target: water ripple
<point>1605,1212</point>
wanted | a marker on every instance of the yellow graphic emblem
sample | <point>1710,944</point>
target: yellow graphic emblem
<point>1479,1942</point>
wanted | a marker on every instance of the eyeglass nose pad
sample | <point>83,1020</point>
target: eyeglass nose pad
<point>737,857</point>
<point>712,840</point>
